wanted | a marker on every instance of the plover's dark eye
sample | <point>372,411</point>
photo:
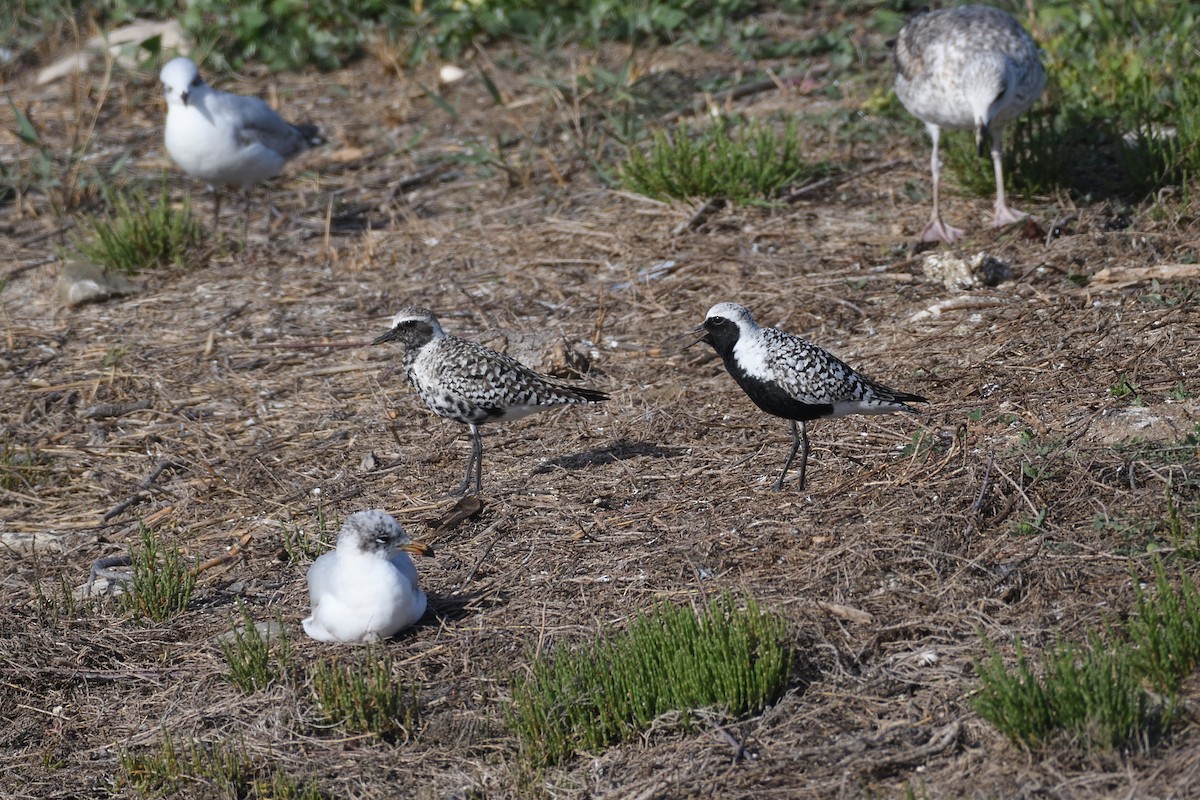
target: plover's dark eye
<point>196,81</point>
<point>408,323</point>
<point>381,540</point>
<point>717,320</point>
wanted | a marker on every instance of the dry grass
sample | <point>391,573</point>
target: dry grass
<point>889,566</point>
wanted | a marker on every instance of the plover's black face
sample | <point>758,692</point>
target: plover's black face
<point>412,327</point>
<point>724,325</point>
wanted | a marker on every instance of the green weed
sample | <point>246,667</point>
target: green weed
<point>302,547</point>
<point>1166,630</point>
<point>1126,389</point>
<point>139,234</point>
<point>248,654</point>
<point>755,164</point>
<point>366,696</point>
<point>224,771</point>
<point>161,585</point>
<point>670,659</point>
<point>18,465</point>
<point>1014,700</point>
<point>1092,694</point>
<point>1031,527</point>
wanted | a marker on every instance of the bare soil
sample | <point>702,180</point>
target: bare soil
<point>1025,500</point>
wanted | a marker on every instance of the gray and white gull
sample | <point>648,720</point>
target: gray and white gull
<point>967,68</point>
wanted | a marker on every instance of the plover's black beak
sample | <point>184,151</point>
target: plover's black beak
<point>390,336</point>
<point>420,548</point>
<point>184,96</point>
<point>699,334</point>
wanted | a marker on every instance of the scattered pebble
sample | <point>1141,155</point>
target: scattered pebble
<point>955,272</point>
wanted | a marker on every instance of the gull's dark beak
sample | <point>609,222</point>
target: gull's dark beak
<point>420,548</point>
<point>983,139</point>
<point>390,336</point>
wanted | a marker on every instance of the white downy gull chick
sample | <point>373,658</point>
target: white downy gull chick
<point>366,589</point>
<point>226,139</point>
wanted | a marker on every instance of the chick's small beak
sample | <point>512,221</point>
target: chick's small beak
<point>420,548</point>
<point>184,96</point>
<point>390,336</point>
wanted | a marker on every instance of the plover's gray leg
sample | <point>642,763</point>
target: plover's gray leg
<point>799,442</point>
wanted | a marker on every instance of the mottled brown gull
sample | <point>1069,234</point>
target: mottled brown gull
<point>969,68</point>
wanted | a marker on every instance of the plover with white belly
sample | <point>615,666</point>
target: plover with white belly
<point>471,384</point>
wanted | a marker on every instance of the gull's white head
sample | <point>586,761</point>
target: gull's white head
<point>412,326</point>
<point>180,79</point>
<point>377,532</point>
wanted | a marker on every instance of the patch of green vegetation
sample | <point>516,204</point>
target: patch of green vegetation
<point>1092,694</point>
<point>225,770</point>
<point>585,697</point>
<point>18,465</point>
<point>1172,296</point>
<point>1166,630</point>
<point>161,585</point>
<point>302,547</point>
<point>1119,691</point>
<point>752,165</point>
<point>249,655</point>
<point>139,234</point>
<point>1031,527</point>
<point>366,696</point>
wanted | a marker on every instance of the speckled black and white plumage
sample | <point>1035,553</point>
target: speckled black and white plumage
<point>471,384</point>
<point>791,378</point>
<point>967,68</point>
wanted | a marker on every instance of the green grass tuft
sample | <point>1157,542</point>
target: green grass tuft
<point>1166,630</point>
<point>366,697</point>
<point>754,164</point>
<point>1117,692</point>
<point>1015,701</point>
<point>224,771</point>
<point>1091,693</point>
<point>248,653</point>
<point>161,586</point>
<point>139,234</point>
<point>670,659</point>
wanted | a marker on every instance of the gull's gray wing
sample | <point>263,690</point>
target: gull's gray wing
<point>257,123</point>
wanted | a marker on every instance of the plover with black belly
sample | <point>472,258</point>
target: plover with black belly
<point>471,384</point>
<point>366,589</point>
<point>226,139</point>
<point>967,68</point>
<point>791,378</point>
